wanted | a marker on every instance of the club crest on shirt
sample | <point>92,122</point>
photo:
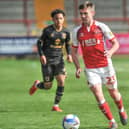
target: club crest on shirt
<point>97,31</point>
<point>52,35</point>
<point>64,35</point>
<point>81,35</point>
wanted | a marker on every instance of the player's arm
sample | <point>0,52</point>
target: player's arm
<point>39,46</point>
<point>40,42</point>
<point>68,48</point>
<point>40,50</point>
<point>76,61</point>
<point>111,37</point>
<point>113,49</point>
<point>75,46</point>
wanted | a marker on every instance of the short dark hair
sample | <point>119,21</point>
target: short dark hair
<point>87,4</point>
<point>57,11</point>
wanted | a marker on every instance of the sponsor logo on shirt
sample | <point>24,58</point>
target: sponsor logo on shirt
<point>56,44</point>
<point>90,42</point>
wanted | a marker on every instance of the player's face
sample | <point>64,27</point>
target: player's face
<point>58,20</point>
<point>86,15</point>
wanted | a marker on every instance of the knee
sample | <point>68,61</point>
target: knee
<point>115,94</point>
<point>95,89</point>
<point>98,93</point>
<point>61,82</point>
<point>47,85</point>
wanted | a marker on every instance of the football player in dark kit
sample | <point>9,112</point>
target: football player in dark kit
<point>50,45</point>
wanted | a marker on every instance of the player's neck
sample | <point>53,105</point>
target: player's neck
<point>88,24</point>
<point>58,28</point>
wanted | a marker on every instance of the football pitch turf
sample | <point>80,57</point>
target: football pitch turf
<point>19,110</point>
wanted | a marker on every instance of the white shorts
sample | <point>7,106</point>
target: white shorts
<point>104,75</point>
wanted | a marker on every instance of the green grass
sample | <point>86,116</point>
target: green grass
<point>18,110</point>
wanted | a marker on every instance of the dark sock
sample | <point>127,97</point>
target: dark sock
<point>40,85</point>
<point>59,94</point>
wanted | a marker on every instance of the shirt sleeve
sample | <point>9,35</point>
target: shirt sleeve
<point>39,46</point>
<point>68,43</point>
<point>40,43</point>
<point>74,37</point>
<point>107,32</point>
<point>43,35</point>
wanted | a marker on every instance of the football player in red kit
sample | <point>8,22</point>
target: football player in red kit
<point>91,36</point>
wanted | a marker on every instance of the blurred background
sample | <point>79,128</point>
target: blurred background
<point>21,21</point>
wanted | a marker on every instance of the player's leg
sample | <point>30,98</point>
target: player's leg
<point>103,105</point>
<point>48,77</point>
<point>115,94</point>
<point>60,77</point>
<point>59,92</point>
<point>95,84</point>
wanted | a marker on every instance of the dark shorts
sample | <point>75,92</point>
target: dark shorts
<point>51,70</point>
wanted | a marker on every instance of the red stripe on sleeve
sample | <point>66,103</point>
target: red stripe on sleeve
<point>74,46</point>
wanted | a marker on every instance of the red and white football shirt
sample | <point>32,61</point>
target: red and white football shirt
<point>93,43</point>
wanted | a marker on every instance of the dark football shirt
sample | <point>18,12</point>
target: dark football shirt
<point>52,43</point>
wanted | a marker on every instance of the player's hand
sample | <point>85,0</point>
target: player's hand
<point>69,59</point>
<point>78,72</point>
<point>43,59</point>
<point>108,53</point>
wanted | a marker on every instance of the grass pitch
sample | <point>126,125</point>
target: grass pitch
<point>18,110</point>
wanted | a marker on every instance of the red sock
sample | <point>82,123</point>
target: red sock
<point>106,110</point>
<point>119,103</point>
